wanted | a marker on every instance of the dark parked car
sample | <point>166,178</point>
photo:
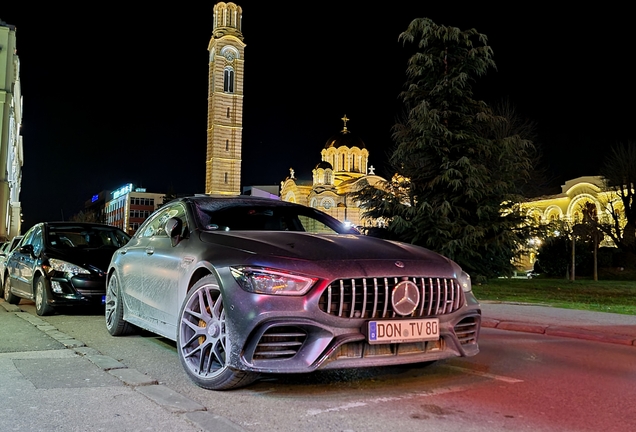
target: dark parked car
<point>5,250</point>
<point>246,285</point>
<point>61,264</point>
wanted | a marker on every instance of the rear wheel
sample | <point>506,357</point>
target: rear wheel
<point>115,323</point>
<point>9,297</point>
<point>203,342</point>
<point>42,306</point>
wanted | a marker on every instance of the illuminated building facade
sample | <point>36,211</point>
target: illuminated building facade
<point>11,153</point>
<point>344,169</point>
<point>568,207</point>
<point>225,102</point>
<point>128,207</point>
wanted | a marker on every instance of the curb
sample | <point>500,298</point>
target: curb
<point>162,395</point>
<point>561,331</point>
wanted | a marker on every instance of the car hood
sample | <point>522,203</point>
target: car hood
<point>342,248</point>
<point>88,258</point>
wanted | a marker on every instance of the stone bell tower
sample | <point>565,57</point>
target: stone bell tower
<point>225,102</point>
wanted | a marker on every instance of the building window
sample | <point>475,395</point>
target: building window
<point>226,178</point>
<point>227,145</point>
<point>228,113</point>
<point>228,80</point>
<point>142,201</point>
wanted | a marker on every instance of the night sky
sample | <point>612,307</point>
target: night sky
<point>114,95</point>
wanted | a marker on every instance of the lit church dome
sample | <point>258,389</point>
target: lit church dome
<point>324,165</point>
<point>344,138</point>
<point>346,153</point>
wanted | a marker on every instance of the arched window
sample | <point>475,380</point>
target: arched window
<point>228,80</point>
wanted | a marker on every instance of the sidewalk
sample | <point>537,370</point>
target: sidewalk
<point>50,381</point>
<point>593,326</point>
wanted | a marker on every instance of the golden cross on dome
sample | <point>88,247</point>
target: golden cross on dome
<point>345,120</point>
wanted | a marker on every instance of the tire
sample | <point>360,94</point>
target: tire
<point>9,297</point>
<point>114,311</point>
<point>42,307</point>
<point>202,340</point>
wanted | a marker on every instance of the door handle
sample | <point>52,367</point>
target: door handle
<point>150,250</point>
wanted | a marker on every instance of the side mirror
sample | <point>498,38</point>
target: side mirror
<point>27,249</point>
<point>174,229</point>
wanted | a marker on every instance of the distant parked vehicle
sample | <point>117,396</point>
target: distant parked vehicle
<point>62,264</point>
<point>5,250</point>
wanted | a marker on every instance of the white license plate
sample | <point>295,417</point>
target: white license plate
<point>395,331</point>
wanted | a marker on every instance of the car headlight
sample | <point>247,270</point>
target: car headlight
<point>464,281</point>
<point>268,281</point>
<point>67,267</point>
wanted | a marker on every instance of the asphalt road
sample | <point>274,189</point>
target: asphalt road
<point>519,381</point>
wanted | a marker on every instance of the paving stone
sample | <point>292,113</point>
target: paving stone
<point>212,423</point>
<point>85,351</point>
<point>105,362</point>
<point>169,399</point>
<point>133,377</point>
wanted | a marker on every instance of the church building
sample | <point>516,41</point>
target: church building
<point>344,168</point>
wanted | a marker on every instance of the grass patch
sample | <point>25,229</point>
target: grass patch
<point>602,296</point>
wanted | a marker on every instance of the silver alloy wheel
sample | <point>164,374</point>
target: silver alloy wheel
<point>111,301</point>
<point>7,289</point>
<point>39,294</point>
<point>114,310</point>
<point>202,341</point>
<point>42,306</point>
<point>8,296</point>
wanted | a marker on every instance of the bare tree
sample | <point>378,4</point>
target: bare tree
<point>619,171</point>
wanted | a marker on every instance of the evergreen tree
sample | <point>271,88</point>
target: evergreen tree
<point>459,166</point>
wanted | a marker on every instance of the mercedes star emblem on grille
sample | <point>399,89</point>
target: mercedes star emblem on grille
<point>405,298</point>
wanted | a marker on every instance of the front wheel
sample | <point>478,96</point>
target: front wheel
<point>115,323</point>
<point>202,339</point>
<point>9,297</point>
<point>42,306</point>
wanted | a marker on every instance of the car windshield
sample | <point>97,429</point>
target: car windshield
<point>267,218</point>
<point>73,236</point>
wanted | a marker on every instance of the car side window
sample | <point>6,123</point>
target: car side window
<point>34,238</point>
<point>156,227</point>
<point>37,241</point>
<point>314,226</point>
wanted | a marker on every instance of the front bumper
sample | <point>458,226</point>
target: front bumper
<point>78,290</point>
<point>285,334</point>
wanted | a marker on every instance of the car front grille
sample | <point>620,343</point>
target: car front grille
<point>279,343</point>
<point>371,297</point>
